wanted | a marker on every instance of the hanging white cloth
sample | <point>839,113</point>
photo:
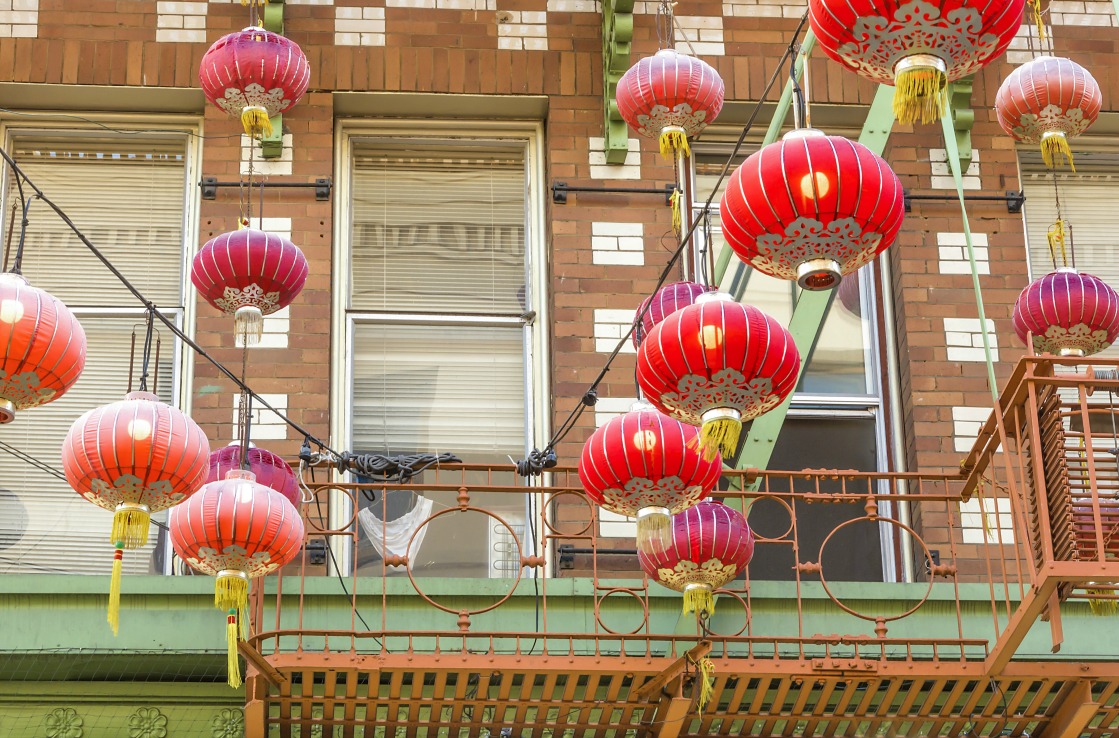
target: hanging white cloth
<point>393,535</point>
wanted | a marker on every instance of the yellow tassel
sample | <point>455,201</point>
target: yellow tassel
<point>652,530</point>
<point>920,95</point>
<point>672,140</point>
<point>1102,607</point>
<point>1054,145</point>
<point>706,682</point>
<point>1035,12</point>
<point>677,216</point>
<point>698,599</point>
<point>231,591</point>
<point>130,526</point>
<point>114,588</point>
<point>233,664</point>
<point>719,435</point>
<point>256,122</point>
<point>1057,234</point>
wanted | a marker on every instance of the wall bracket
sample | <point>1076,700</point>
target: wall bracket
<point>617,35</point>
<point>963,117</point>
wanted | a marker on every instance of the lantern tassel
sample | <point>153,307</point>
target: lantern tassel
<point>698,599</point>
<point>706,671</point>
<point>256,121</point>
<point>233,664</point>
<point>248,321</point>
<point>719,434</point>
<point>652,527</point>
<point>114,587</point>
<point>1054,144</point>
<point>231,591</point>
<point>131,523</point>
<point>1035,13</point>
<point>919,94</point>
<point>677,216</point>
<point>1101,607</point>
<point>673,139</point>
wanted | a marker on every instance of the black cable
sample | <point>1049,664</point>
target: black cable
<point>152,307</point>
<point>126,131</point>
<point>533,464</point>
<point>17,262</point>
<point>382,469</point>
<point>32,461</point>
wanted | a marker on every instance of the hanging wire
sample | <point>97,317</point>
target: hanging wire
<point>664,24</point>
<point>144,363</point>
<point>1059,234</point>
<point>17,263</point>
<point>688,41</point>
<point>798,93</point>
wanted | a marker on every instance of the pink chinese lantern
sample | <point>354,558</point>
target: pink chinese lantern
<point>670,96</point>
<point>1068,313</point>
<point>664,302</point>
<point>915,45</point>
<point>1046,101</point>
<point>709,546</point>
<point>235,529</point>
<point>715,364</point>
<point>812,208</point>
<point>644,464</point>
<point>249,273</point>
<point>134,457</point>
<point>254,74</point>
<point>270,470</point>
<point>44,347</point>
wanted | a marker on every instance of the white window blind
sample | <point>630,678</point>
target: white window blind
<point>127,194</point>
<point>439,229</point>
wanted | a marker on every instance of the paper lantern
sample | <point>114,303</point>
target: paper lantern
<point>254,74</point>
<point>249,273</point>
<point>1069,314</point>
<point>1047,101</point>
<point>917,46</point>
<point>270,470</point>
<point>134,457</point>
<point>812,208</point>
<point>235,529</point>
<point>44,347</point>
<point>709,546</point>
<point>715,364</point>
<point>645,464</point>
<point>662,303</point>
<point>670,96</point>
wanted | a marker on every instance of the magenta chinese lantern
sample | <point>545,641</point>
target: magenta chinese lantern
<point>709,546</point>
<point>249,273</point>
<point>716,363</point>
<point>662,303</point>
<point>44,347</point>
<point>916,45</point>
<point>646,465</point>
<point>254,74</point>
<point>1047,101</point>
<point>1068,313</point>
<point>268,468</point>
<point>812,208</point>
<point>670,96</point>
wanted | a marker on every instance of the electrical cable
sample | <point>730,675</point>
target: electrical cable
<point>125,131</point>
<point>540,459</point>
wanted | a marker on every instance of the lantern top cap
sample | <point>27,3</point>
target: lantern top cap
<point>714,296</point>
<point>237,444</point>
<point>13,279</point>
<point>1065,270</point>
<point>241,474</point>
<point>668,52</point>
<point>799,133</point>
<point>147,396</point>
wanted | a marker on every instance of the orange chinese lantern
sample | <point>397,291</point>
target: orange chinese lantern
<point>236,529</point>
<point>44,347</point>
<point>134,457</point>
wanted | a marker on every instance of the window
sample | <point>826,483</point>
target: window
<point>442,241</point>
<point>130,194</point>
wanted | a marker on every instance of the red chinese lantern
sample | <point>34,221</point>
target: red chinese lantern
<point>915,45</point>
<point>665,302</point>
<point>644,464</point>
<point>44,347</point>
<point>715,364</point>
<point>1046,101</point>
<point>254,74</point>
<point>1068,313</point>
<point>134,457</point>
<point>812,208</point>
<point>670,96</point>
<point>709,546</point>
<point>235,530</point>
<point>249,273</point>
<point>270,470</point>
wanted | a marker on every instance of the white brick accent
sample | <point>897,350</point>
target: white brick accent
<point>1088,13</point>
<point>522,30</point>
<point>266,425</point>
<point>631,169</point>
<point>705,34</point>
<point>964,339</point>
<point>609,327</point>
<point>1000,521</point>
<point>266,167</point>
<point>611,407</point>
<point>942,173</point>
<point>359,26</point>
<point>763,8</point>
<point>573,6</point>
<point>953,253</point>
<point>1025,44</point>
<point>966,422</point>
<point>618,243</point>
<point>308,2</point>
<point>180,22</point>
<point>19,18</point>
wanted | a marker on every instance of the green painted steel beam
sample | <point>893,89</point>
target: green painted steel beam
<point>617,35</point>
<point>963,117</point>
<point>272,146</point>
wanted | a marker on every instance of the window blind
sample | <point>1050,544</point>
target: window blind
<point>438,229</point>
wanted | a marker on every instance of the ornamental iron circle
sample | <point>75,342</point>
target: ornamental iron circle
<point>642,603</point>
<point>751,517</point>
<point>586,530</point>
<point>745,610</point>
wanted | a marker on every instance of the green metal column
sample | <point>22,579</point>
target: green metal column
<point>617,33</point>
<point>272,146</point>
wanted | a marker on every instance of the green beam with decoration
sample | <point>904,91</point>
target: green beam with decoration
<point>617,35</point>
<point>272,145</point>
